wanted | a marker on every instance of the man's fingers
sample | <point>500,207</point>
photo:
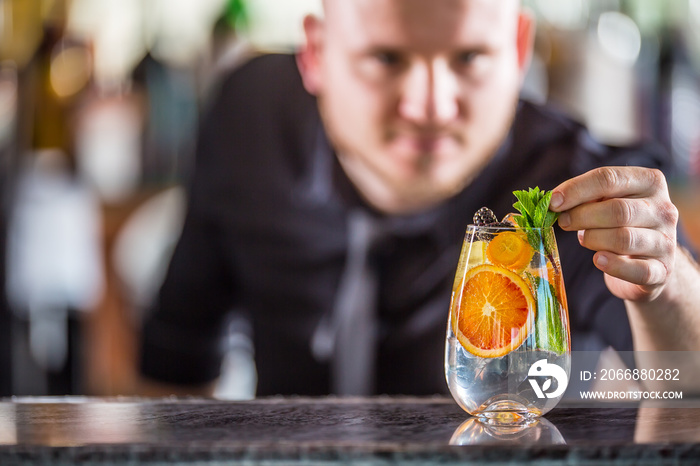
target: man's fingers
<point>605,183</point>
<point>618,212</point>
<point>643,272</point>
<point>628,241</point>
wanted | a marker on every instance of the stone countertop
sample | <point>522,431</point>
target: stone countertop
<point>379,430</point>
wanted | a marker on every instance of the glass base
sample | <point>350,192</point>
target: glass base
<point>507,413</point>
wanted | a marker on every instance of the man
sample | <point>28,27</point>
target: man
<point>410,124</point>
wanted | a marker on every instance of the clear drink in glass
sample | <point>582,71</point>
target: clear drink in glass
<point>507,351</point>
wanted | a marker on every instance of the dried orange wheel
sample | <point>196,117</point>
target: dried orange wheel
<point>510,249</point>
<point>495,311</point>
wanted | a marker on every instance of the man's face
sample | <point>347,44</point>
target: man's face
<point>416,95</point>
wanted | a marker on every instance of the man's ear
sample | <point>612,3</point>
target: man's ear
<point>309,56</point>
<point>525,40</point>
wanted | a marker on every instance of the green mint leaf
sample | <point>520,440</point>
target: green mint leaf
<point>533,206</point>
<point>527,218</point>
<point>542,209</point>
<point>534,237</point>
<point>527,207</point>
<point>521,221</point>
<point>538,217</point>
<point>537,195</point>
<point>549,328</point>
<point>550,218</point>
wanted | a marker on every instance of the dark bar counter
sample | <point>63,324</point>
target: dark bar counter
<point>380,430</point>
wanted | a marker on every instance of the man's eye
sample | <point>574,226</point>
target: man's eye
<point>466,58</point>
<point>388,58</point>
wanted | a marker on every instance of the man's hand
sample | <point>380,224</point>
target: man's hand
<point>625,214</point>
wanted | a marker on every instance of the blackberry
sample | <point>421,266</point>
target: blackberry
<point>484,216</point>
<point>487,234</point>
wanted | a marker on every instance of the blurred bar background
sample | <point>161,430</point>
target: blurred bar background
<point>99,105</point>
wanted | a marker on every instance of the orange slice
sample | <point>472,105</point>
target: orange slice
<point>510,249</point>
<point>494,313</point>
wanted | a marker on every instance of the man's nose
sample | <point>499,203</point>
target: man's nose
<point>430,93</point>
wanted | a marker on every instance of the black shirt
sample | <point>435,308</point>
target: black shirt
<point>266,232</point>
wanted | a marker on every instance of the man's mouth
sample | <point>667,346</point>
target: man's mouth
<point>422,145</point>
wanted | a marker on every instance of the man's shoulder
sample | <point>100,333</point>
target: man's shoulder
<point>271,73</point>
<point>260,66</point>
<point>545,123</point>
<point>259,103</point>
<point>265,84</point>
<point>548,112</point>
<point>260,125</point>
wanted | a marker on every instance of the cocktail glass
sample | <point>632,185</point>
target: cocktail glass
<point>507,351</point>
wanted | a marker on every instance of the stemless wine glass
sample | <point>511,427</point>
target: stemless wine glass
<point>508,352</point>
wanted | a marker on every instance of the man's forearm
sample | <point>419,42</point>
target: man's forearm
<point>670,324</point>
<point>672,321</point>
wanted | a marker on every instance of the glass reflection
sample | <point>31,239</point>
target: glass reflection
<point>8,430</point>
<point>61,423</point>
<point>476,432</point>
